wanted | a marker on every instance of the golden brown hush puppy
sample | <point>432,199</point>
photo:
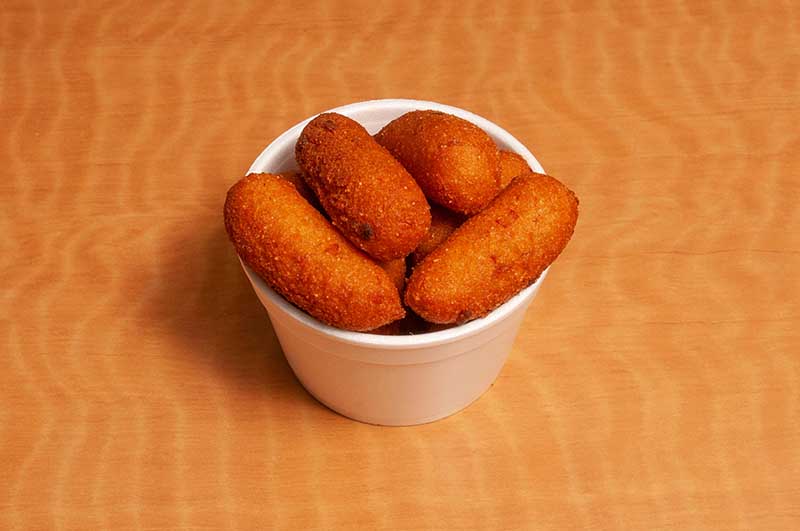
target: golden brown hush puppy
<point>511,165</point>
<point>443,223</point>
<point>454,161</point>
<point>495,253</point>
<point>296,178</point>
<point>368,195</point>
<point>301,256</point>
<point>396,269</point>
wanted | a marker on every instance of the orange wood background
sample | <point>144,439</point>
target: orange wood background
<point>655,383</point>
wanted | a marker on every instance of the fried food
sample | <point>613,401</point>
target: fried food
<point>302,257</point>
<point>296,178</point>
<point>496,253</point>
<point>443,223</point>
<point>511,165</point>
<point>368,195</point>
<point>454,161</point>
<point>396,269</point>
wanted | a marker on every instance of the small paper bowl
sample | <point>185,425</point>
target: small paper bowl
<point>392,380</point>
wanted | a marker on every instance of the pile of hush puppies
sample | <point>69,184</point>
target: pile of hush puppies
<point>423,226</point>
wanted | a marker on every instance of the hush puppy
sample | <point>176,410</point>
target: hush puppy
<point>301,256</point>
<point>368,195</point>
<point>296,178</point>
<point>495,253</point>
<point>443,223</point>
<point>396,269</point>
<point>454,161</point>
<point>511,165</point>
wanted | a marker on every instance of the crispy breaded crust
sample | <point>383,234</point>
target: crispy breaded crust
<point>454,161</point>
<point>396,269</point>
<point>496,253</point>
<point>296,178</point>
<point>443,223</point>
<point>297,252</point>
<point>368,195</point>
<point>511,165</point>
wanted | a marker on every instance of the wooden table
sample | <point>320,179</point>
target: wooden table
<point>655,383</point>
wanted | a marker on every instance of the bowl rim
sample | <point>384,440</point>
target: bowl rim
<point>391,342</point>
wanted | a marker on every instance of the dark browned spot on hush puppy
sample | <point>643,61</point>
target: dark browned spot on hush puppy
<point>365,231</point>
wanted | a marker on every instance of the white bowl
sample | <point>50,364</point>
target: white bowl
<point>392,380</point>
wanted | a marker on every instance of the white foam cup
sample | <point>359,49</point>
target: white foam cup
<point>392,380</point>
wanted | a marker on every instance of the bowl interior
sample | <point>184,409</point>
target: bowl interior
<point>373,115</point>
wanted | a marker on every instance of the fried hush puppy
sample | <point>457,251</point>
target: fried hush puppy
<point>368,195</point>
<point>454,161</point>
<point>496,253</point>
<point>511,165</point>
<point>296,178</point>
<point>301,256</point>
<point>396,269</point>
<point>443,223</point>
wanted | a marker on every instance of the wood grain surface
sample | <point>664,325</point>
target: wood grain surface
<point>655,383</point>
